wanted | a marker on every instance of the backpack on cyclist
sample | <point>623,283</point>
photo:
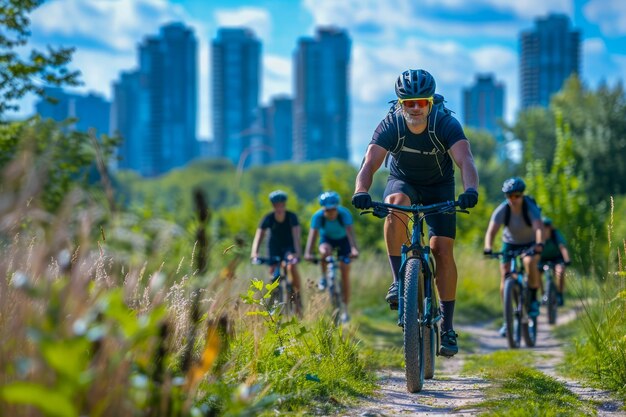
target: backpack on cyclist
<point>438,112</point>
<point>525,213</point>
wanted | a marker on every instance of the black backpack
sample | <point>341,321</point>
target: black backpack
<point>438,112</point>
<point>525,214</point>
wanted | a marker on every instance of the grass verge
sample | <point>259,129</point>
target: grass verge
<point>520,390</point>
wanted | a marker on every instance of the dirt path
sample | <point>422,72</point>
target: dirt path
<point>448,391</point>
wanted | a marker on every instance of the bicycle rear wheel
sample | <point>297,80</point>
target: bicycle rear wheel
<point>413,337</point>
<point>512,312</point>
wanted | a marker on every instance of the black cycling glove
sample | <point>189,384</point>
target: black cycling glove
<point>468,199</point>
<point>362,201</point>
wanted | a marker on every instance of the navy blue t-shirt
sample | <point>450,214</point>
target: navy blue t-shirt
<point>420,161</point>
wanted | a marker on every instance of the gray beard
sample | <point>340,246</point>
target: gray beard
<point>413,120</point>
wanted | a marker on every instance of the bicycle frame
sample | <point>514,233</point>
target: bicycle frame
<point>527,326</point>
<point>334,284</point>
<point>419,313</point>
<point>417,250</point>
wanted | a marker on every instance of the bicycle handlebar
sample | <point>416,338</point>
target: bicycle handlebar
<point>273,260</point>
<point>345,259</point>
<point>511,253</point>
<point>381,209</point>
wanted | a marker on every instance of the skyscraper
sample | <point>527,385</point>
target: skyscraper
<point>155,107</point>
<point>90,110</point>
<point>550,53</point>
<point>320,107</point>
<point>236,56</point>
<point>483,105</point>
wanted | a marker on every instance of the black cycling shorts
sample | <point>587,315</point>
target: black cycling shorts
<point>438,224</point>
<point>341,245</point>
<point>280,251</point>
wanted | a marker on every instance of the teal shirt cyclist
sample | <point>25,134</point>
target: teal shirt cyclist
<point>332,229</point>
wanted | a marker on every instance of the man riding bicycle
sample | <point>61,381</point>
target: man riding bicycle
<point>333,223</point>
<point>523,229</point>
<point>284,240</point>
<point>556,252</point>
<point>421,172</point>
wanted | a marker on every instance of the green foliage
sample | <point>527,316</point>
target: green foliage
<point>560,192</point>
<point>19,76</point>
<point>598,126</point>
<point>60,159</point>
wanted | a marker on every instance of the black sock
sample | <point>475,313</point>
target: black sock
<point>396,263</point>
<point>447,308</point>
<point>533,294</point>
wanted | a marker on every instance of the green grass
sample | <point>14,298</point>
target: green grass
<point>596,352</point>
<point>520,390</point>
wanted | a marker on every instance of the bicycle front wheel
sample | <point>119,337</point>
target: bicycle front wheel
<point>529,324</point>
<point>413,331</point>
<point>431,331</point>
<point>551,302</point>
<point>512,312</point>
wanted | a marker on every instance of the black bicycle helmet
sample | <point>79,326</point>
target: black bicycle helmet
<point>415,84</point>
<point>278,196</point>
<point>513,185</point>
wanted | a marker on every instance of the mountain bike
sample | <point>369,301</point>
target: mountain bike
<point>335,287</point>
<point>517,301</point>
<point>419,313</point>
<point>283,296</point>
<point>550,291</point>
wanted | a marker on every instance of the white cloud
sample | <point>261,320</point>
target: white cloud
<point>610,15</point>
<point>118,24</point>
<point>277,77</point>
<point>593,46</point>
<point>399,15</point>
<point>257,19</point>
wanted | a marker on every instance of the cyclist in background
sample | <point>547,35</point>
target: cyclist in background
<point>555,251</point>
<point>284,240</point>
<point>523,229</point>
<point>333,223</point>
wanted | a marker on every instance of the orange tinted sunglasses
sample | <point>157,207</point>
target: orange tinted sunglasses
<point>412,102</point>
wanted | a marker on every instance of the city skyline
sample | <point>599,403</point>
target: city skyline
<point>452,40</point>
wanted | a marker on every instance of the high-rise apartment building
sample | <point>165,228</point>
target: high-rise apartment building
<point>279,128</point>
<point>321,102</point>
<point>155,107</point>
<point>483,105</point>
<point>236,71</point>
<point>91,111</point>
<point>550,53</point>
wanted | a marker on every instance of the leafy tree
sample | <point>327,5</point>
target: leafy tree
<point>597,120</point>
<point>535,129</point>
<point>561,194</point>
<point>60,159</point>
<point>18,75</point>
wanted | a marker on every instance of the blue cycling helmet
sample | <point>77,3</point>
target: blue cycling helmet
<point>329,199</point>
<point>513,185</point>
<point>278,196</point>
<point>415,84</point>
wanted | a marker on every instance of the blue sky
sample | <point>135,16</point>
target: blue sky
<point>453,39</point>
